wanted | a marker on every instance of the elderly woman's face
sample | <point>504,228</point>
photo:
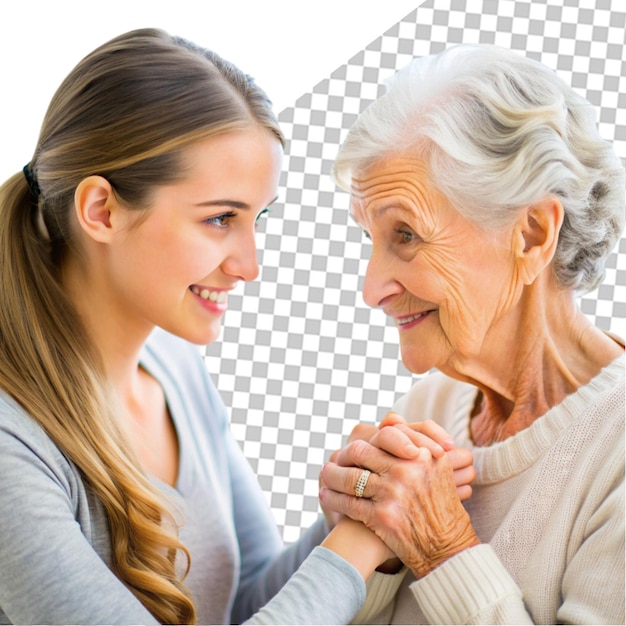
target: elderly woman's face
<point>446,283</point>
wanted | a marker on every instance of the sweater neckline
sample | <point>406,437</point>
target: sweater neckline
<point>512,456</point>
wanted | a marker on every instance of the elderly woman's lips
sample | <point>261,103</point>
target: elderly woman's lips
<point>411,320</point>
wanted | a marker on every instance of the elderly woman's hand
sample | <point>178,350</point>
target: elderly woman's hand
<point>411,504</point>
<point>405,441</point>
<point>430,435</point>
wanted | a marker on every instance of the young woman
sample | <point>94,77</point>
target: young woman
<point>123,498</point>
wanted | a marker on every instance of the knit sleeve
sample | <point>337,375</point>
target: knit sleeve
<point>593,583</point>
<point>472,587</point>
<point>380,599</point>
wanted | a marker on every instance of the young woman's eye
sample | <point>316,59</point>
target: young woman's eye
<point>221,220</point>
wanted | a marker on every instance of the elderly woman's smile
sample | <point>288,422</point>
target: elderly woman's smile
<point>405,323</point>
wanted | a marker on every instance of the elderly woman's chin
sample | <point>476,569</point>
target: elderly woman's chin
<point>418,358</point>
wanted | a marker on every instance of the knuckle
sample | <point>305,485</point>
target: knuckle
<point>354,508</point>
<point>401,478</point>
<point>358,451</point>
<point>387,515</point>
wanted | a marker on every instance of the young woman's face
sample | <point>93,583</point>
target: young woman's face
<point>176,266</point>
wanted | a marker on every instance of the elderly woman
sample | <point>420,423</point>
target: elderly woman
<point>491,202</point>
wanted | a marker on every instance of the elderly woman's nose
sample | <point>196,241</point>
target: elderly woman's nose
<point>379,282</point>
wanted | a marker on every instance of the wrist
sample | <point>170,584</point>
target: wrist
<point>358,545</point>
<point>434,561</point>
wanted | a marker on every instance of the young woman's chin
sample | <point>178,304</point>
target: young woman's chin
<point>199,336</point>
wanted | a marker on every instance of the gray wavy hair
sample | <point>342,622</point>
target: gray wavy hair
<point>499,132</point>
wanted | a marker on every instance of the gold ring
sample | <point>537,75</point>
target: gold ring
<point>359,488</point>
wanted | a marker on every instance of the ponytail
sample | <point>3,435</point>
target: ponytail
<point>49,367</point>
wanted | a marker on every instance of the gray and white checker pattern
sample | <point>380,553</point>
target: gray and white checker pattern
<point>302,359</point>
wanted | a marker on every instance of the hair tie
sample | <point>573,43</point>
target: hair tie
<point>35,192</point>
<point>33,185</point>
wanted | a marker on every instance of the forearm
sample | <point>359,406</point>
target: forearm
<point>256,590</point>
<point>325,590</point>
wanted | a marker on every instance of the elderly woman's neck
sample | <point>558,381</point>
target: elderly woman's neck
<point>554,352</point>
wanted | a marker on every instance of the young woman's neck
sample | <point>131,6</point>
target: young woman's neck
<point>116,337</point>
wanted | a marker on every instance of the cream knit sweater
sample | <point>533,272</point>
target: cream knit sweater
<point>548,505</point>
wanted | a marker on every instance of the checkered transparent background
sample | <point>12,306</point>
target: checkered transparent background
<point>302,359</point>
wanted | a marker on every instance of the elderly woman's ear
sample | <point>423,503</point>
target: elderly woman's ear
<point>536,236</point>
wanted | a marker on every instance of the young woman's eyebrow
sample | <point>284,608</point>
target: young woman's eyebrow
<point>235,204</point>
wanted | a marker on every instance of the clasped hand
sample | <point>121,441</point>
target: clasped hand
<point>412,497</point>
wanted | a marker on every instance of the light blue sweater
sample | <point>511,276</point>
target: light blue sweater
<point>54,542</point>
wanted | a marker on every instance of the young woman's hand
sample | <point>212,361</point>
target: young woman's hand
<point>358,545</point>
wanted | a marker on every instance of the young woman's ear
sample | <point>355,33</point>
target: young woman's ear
<point>537,235</point>
<point>94,202</point>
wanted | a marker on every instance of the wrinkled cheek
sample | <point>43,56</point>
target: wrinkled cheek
<point>464,329</point>
<point>460,326</point>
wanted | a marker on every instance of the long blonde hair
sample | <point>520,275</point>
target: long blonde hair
<point>125,113</point>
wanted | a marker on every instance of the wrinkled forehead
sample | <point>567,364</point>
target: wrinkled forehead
<point>396,180</point>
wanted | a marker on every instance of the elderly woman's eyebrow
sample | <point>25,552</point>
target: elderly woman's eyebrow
<point>393,206</point>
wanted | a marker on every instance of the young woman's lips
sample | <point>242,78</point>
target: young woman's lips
<point>410,321</point>
<point>214,300</point>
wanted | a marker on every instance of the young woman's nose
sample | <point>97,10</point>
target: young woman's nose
<point>242,261</point>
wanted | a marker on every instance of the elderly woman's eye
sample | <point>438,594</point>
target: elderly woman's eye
<point>406,236</point>
<point>367,235</point>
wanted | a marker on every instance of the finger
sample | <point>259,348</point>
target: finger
<point>460,457</point>
<point>423,440</point>
<point>391,419</point>
<point>435,432</point>
<point>464,492</point>
<point>363,454</point>
<point>334,455</point>
<point>346,479</point>
<point>402,441</point>
<point>362,431</point>
<point>350,506</point>
<point>396,442</point>
<point>464,476</point>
